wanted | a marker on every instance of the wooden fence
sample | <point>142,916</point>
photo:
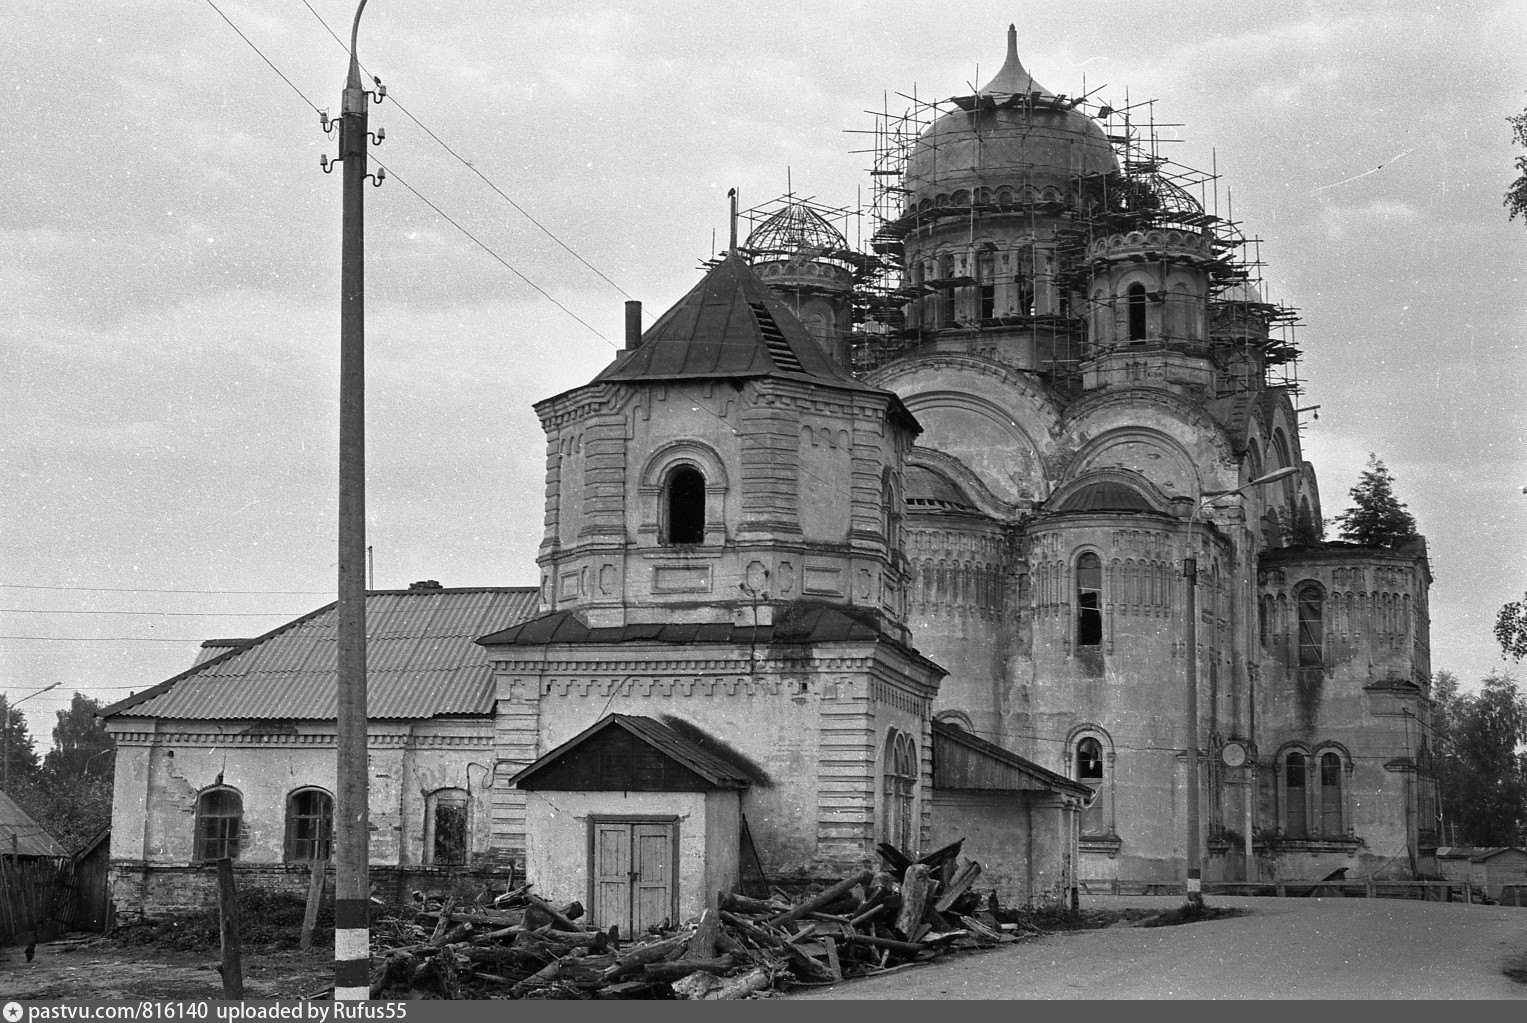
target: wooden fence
<point>1436,891</point>
<point>39,898</point>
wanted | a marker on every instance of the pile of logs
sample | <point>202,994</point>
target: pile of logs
<point>524,947</point>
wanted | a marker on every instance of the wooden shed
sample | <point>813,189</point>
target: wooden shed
<point>1487,867</point>
<point>640,823</point>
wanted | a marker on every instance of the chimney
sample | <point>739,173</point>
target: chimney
<point>633,325</point>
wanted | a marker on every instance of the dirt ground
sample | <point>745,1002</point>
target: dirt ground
<point>99,968</point>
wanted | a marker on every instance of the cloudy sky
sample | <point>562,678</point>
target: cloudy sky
<point>170,265</point>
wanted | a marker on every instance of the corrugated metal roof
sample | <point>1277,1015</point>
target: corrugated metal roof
<point>729,326</point>
<point>19,832</point>
<point>422,661</point>
<point>713,768</point>
<point>965,761</point>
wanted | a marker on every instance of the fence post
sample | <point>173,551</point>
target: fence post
<point>315,895</point>
<point>228,914</point>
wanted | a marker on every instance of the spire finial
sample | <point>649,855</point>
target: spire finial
<point>1012,42</point>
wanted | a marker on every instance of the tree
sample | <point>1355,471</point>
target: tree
<point>1377,518</point>
<point>1482,776</point>
<point>1516,195</point>
<point>1511,629</point>
<point>81,744</point>
<point>20,764</point>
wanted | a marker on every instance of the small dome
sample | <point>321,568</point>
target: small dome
<point>793,229</point>
<point>928,489</point>
<point>1012,132</point>
<point>1106,496</point>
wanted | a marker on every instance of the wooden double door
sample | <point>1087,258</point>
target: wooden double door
<point>633,868</point>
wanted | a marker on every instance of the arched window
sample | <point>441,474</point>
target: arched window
<point>1136,304</point>
<point>1089,600</point>
<point>1331,825</point>
<point>219,814</point>
<point>1295,815</point>
<point>309,825</point>
<point>1089,771</point>
<point>900,772</point>
<point>684,506</point>
<point>445,827</point>
<point>1311,601</point>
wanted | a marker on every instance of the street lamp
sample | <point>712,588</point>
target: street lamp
<point>5,734</point>
<point>1190,570</point>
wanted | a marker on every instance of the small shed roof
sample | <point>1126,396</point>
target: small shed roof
<point>19,832</point>
<point>965,761</point>
<point>422,661</point>
<point>1475,853</point>
<point>713,769</point>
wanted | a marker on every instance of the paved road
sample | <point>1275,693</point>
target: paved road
<point>1285,948</point>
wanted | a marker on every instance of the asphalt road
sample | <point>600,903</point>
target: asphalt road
<point>1285,948</point>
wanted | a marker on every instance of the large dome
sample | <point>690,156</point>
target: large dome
<point>1013,132</point>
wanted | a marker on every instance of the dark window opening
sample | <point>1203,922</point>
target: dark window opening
<point>219,813</point>
<point>1311,601</point>
<point>1089,771</point>
<point>1089,760</point>
<point>450,845</point>
<point>1089,601</point>
<point>1136,303</point>
<point>1295,825</point>
<point>686,506</point>
<point>1330,795</point>
<point>988,301</point>
<point>309,825</point>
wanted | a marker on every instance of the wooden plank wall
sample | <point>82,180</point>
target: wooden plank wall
<point>38,898</point>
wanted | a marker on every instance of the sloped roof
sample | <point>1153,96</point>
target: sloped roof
<point>929,488</point>
<point>28,836</point>
<point>1106,495</point>
<point>1475,853</point>
<point>730,326</point>
<point>422,661</point>
<point>714,769</point>
<point>965,761</point>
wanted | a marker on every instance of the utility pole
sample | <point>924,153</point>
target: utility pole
<point>352,884</point>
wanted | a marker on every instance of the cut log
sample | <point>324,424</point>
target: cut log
<point>740,987</point>
<point>650,952</point>
<point>735,903</point>
<point>915,890</point>
<point>895,859</point>
<point>833,966</point>
<point>573,910</point>
<point>823,898</point>
<point>891,944</point>
<point>484,918</point>
<point>695,986</point>
<point>684,967</point>
<point>959,885</point>
<point>557,917</point>
<point>540,978</point>
<point>703,944</point>
<point>758,934</point>
<point>455,934</point>
<point>982,931</point>
<point>316,874</point>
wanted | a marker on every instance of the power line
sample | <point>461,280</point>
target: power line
<point>102,639</point>
<point>136,589</point>
<point>266,59</point>
<point>415,191</point>
<point>543,292</point>
<point>469,166</point>
<point>165,614</point>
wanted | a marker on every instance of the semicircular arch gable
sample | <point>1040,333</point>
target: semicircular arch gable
<point>1157,456</point>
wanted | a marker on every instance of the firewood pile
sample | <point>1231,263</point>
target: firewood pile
<point>523,947</point>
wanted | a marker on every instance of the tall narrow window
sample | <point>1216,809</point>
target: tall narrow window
<point>1311,601</point>
<point>1089,600</point>
<point>987,290</point>
<point>1330,796</point>
<point>1136,304</point>
<point>445,831</point>
<point>946,293</point>
<point>309,825</point>
<point>1089,771</point>
<point>219,813</point>
<point>1295,822</point>
<point>685,506</point>
<point>900,774</point>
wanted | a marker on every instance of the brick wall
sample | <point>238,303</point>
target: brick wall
<point>139,890</point>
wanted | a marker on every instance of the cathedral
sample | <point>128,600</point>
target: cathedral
<point>998,530</point>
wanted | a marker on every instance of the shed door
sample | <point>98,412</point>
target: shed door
<point>633,874</point>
